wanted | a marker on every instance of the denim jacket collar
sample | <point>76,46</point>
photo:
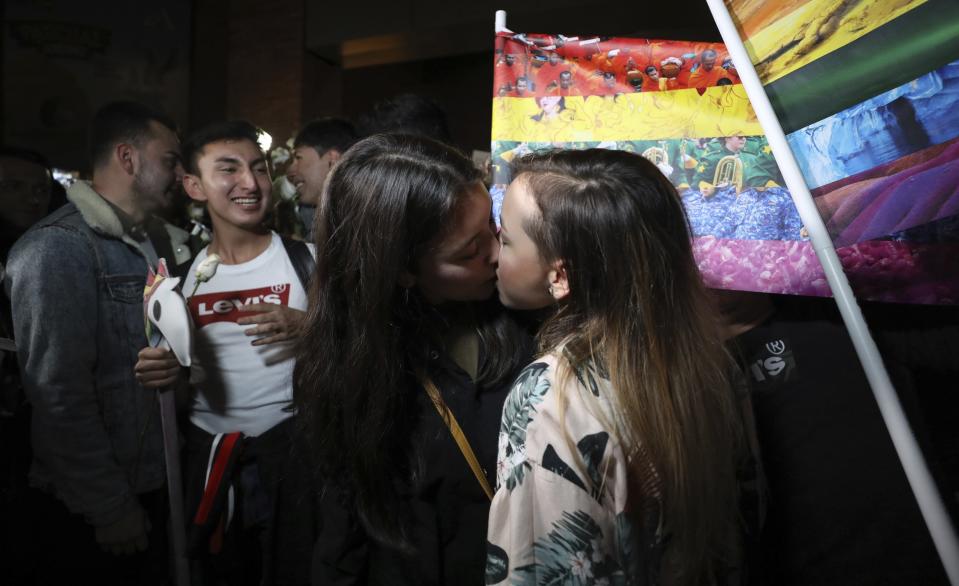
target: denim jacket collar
<point>99,215</point>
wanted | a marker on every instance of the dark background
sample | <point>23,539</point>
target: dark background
<point>278,63</point>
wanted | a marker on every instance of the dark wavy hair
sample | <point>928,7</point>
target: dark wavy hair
<point>122,122</point>
<point>637,306</point>
<point>324,134</point>
<point>233,130</point>
<point>385,201</point>
<point>408,114</point>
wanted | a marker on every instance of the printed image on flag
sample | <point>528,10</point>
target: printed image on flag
<point>682,106</point>
<point>730,186</point>
<point>880,130</point>
<point>783,36</point>
<point>874,127</point>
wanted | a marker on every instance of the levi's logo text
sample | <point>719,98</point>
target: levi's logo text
<point>226,305</point>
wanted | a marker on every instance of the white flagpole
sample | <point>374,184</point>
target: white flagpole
<point>501,22</point>
<point>927,495</point>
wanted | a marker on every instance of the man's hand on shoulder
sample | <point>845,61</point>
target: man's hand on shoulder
<point>157,368</point>
<point>125,536</point>
<point>273,323</point>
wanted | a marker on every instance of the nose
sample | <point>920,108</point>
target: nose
<point>247,180</point>
<point>494,246</point>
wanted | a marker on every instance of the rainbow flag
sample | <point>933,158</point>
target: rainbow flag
<point>681,105</point>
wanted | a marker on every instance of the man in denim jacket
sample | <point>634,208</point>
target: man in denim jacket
<point>76,284</point>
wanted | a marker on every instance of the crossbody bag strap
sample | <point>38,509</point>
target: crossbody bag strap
<point>456,431</point>
<point>301,259</point>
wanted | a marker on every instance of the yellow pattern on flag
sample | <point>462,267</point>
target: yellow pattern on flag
<point>813,29</point>
<point>720,111</point>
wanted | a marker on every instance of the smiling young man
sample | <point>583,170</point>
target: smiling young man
<point>241,481</point>
<point>318,146</point>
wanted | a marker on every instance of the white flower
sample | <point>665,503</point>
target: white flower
<point>597,548</point>
<point>518,457</point>
<point>195,211</point>
<point>502,467</point>
<point>581,566</point>
<point>280,155</point>
<point>283,186</point>
<point>205,270</point>
<point>207,267</point>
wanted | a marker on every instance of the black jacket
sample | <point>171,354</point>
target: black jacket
<point>447,508</point>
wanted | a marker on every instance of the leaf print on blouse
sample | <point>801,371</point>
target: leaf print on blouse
<point>497,563</point>
<point>571,553</point>
<point>630,554</point>
<point>586,376</point>
<point>639,548</point>
<point>556,465</point>
<point>591,449</point>
<point>529,389</point>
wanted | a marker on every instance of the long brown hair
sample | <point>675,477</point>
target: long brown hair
<point>384,202</point>
<point>637,308</point>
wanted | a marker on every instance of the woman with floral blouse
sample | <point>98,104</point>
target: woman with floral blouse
<point>618,446</point>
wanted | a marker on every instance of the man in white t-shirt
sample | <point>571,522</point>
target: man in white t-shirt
<point>245,496</point>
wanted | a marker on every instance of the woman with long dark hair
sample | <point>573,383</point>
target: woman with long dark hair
<point>404,365</point>
<point>619,444</point>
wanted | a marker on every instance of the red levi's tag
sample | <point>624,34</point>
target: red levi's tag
<point>225,306</point>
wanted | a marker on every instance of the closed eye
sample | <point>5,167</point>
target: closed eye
<point>470,253</point>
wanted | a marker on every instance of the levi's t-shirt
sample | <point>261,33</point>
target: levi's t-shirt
<point>238,386</point>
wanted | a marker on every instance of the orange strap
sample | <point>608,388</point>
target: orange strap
<point>456,431</point>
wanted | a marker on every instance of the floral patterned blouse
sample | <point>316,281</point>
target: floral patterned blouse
<point>570,507</point>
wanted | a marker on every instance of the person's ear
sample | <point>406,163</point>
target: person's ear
<point>558,281</point>
<point>406,280</point>
<point>334,155</point>
<point>193,187</point>
<point>126,154</point>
